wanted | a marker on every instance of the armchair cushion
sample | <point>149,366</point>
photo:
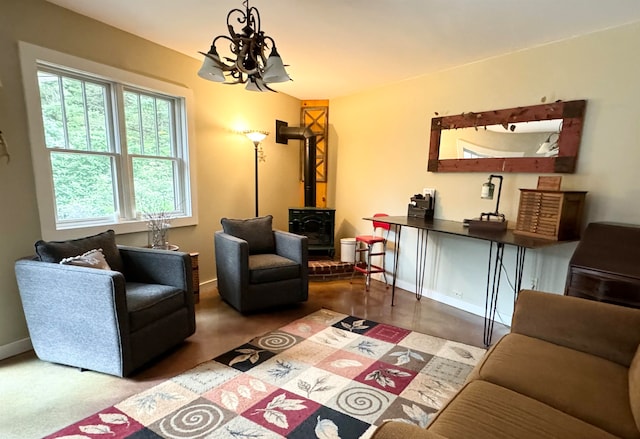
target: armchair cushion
<point>56,251</point>
<point>272,268</point>
<point>256,231</point>
<point>148,303</point>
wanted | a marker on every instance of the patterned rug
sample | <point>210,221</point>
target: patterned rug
<point>327,375</point>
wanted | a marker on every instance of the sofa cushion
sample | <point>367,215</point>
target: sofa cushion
<point>584,386</point>
<point>258,232</point>
<point>148,303</point>
<point>56,251</point>
<point>482,410</point>
<point>634,387</point>
<point>271,268</point>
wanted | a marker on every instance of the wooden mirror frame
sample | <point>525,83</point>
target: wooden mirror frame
<point>571,113</point>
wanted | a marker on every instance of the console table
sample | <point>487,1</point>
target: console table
<point>496,239</point>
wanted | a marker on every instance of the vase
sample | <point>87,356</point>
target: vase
<point>158,235</point>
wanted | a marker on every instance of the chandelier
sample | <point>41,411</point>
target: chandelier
<point>250,64</point>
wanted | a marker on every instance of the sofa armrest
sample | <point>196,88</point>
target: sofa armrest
<point>402,430</point>
<point>74,311</point>
<point>232,263</point>
<point>292,246</point>
<point>608,331</point>
<point>153,266</point>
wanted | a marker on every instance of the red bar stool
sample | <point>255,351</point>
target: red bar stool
<point>368,246</point>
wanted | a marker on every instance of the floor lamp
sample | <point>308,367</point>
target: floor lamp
<point>256,137</point>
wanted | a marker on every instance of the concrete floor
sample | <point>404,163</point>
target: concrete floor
<point>38,398</point>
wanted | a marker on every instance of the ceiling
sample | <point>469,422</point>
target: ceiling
<point>340,47</point>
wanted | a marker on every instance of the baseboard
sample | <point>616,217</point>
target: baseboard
<point>505,319</point>
<point>15,348</point>
<point>209,282</point>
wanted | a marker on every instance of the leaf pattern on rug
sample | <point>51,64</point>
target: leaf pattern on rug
<point>357,325</point>
<point>404,357</point>
<point>282,369</point>
<point>318,386</point>
<point>149,403</point>
<point>253,355</point>
<point>326,429</point>
<point>231,400</point>
<point>366,347</point>
<point>248,433</point>
<point>273,414</point>
<point>435,392</point>
<point>344,363</point>
<point>96,429</point>
<point>462,352</point>
<point>416,415</point>
<point>114,418</point>
<point>257,385</point>
<point>384,377</point>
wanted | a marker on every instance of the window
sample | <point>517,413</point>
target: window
<point>108,146</point>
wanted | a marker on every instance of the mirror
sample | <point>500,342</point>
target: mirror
<point>540,138</point>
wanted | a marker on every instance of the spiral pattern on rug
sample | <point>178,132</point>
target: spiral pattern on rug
<point>193,421</point>
<point>277,341</point>
<point>362,401</point>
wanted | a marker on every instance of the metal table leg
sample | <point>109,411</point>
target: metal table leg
<point>520,254</point>
<point>421,260</point>
<point>493,286</point>
<point>397,231</point>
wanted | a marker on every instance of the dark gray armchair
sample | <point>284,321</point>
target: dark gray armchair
<point>258,267</point>
<point>107,320</point>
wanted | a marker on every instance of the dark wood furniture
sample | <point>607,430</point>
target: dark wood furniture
<point>606,265</point>
<point>497,241</point>
<point>550,214</point>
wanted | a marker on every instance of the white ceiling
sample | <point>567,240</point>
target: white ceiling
<point>340,47</point>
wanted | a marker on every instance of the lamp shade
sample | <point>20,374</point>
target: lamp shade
<point>210,70</point>
<point>274,70</point>
<point>256,84</point>
<point>256,136</point>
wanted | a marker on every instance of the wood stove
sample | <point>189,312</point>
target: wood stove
<point>317,224</point>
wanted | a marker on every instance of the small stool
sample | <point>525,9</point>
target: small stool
<point>369,242</point>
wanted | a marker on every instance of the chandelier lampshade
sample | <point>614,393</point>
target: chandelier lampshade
<point>254,59</point>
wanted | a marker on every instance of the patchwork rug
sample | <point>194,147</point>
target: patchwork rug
<point>326,375</point>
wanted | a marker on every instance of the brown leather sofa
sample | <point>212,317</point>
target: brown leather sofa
<point>569,369</point>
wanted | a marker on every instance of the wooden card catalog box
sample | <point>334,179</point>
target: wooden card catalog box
<point>550,214</point>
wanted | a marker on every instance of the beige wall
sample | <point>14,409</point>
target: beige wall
<point>386,132</point>
<point>224,164</point>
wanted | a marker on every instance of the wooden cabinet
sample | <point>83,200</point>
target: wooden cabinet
<point>550,214</point>
<point>606,265</point>
<point>195,274</point>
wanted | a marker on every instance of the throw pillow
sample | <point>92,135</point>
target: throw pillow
<point>55,251</point>
<point>258,232</point>
<point>92,258</point>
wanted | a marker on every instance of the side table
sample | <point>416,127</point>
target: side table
<point>196,275</point>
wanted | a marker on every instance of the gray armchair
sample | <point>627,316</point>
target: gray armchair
<point>258,267</point>
<point>107,320</point>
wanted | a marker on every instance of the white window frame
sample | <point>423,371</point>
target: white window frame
<point>30,57</point>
